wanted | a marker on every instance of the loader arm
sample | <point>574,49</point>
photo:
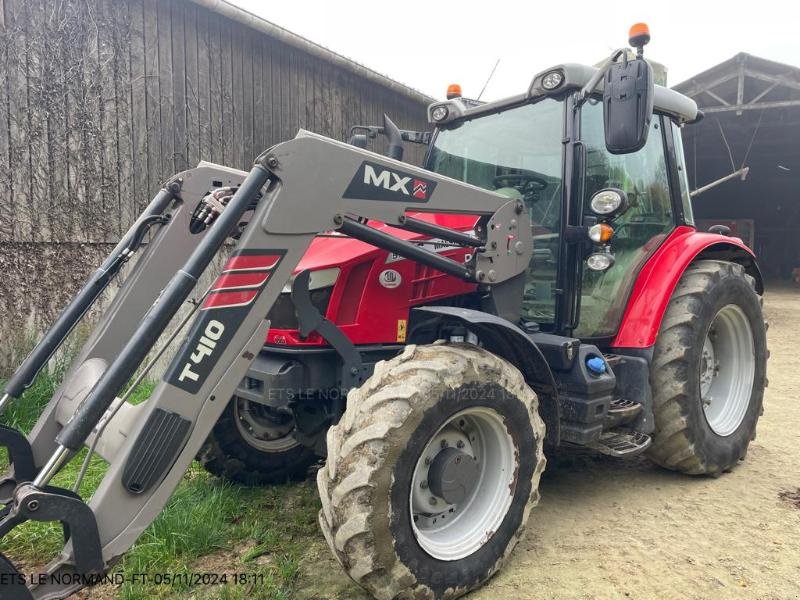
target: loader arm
<point>306,186</point>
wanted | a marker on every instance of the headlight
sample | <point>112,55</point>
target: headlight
<point>609,202</point>
<point>600,261</point>
<point>439,113</point>
<point>317,280</point>
<point>552,80</point>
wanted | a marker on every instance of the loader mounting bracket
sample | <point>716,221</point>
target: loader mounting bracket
<point>20,456</point>
<point>354,373</point>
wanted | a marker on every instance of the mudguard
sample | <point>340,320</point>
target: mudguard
<point>659,276</point>
<point>508,341</point>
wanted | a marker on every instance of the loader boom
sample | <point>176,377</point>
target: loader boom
<point>306,186</point>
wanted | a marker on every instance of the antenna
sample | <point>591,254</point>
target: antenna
<point>494,68</point>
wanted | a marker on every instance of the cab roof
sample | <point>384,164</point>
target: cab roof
<point>576,76</point>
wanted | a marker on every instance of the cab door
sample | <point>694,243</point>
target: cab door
<point>638,232</point>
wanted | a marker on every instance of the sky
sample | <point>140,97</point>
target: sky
<point>430,44</point>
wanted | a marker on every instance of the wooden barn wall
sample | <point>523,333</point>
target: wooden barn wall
<point>101,100</point>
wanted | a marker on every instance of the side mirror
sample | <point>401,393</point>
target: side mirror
<point>359,140</point>
<point>627,105</point>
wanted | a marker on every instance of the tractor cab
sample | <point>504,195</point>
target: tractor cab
<point>600,206</point>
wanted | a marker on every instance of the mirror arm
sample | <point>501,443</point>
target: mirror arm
<point>601,71</point>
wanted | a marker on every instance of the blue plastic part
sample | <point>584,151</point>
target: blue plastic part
<point>596,365</point>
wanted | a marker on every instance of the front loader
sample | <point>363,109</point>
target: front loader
<point>520,290</point>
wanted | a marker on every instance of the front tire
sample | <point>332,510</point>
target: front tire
<point>432,472</point>
<point>709,370</point>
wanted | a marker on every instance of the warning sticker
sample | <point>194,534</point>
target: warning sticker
<point>402,325</point>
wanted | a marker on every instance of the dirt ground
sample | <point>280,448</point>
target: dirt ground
<point>608,529</point>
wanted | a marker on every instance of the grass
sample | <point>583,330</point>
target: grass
<point>208,526</point>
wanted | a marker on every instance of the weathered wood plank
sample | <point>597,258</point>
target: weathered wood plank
<point>43,214</point>
<point>128,202</point>
<point>166,164</point>
<point>203,88</point>
<point>237,97</point>
<point>228,133</point>
<point>247,91</point>
<point>216,84</point>
<point>107,112</point>
<point>178,44</point>
<point>267,109</point>
<point>305,92</point>
<point>93,212</point>
<point>191,77</point>
<point>19,147</point>
<point>64,150</point>
<point>290,86</point>
<point>259,120</point>
<point>142,147</point>
<point>6,222</point>
<point>153,130</point>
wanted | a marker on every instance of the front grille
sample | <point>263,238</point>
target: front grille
<point>282,315</point>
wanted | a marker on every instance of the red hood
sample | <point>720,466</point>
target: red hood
<point>367,310</point>
<point>331,250</point>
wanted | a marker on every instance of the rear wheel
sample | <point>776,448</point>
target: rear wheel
<point>709,370</point>
<point>254,444</point>
<point>432,472</point>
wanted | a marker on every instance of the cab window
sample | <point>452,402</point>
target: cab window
<point>517,153</point>
<point>683,179</point>
<point>644,177</point>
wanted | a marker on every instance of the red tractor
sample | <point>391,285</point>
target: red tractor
<point>538,284</point>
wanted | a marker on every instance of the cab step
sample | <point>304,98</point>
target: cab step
<point>620,411</point>
<point>620,443</point>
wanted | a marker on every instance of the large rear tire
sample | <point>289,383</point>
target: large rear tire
<point>252,444</point>
<point>432,472</point>
<point>709,370</point>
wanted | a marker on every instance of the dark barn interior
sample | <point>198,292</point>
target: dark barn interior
<point>752,119</point>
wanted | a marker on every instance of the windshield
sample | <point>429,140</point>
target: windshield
<point>518,153</point>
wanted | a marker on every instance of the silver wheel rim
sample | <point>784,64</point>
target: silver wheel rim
<point>264,428</point>
<point>727,370</point>
<point>453,531</point>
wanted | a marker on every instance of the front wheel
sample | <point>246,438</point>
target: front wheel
<point>709,370</point>
<point>432,472</point>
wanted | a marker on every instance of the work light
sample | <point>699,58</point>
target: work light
<point>552,80</point>
<point>439,113</point>
<point>609,202</point>
<point>600,261</point>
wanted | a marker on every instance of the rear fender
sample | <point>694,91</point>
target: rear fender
<point>505,340</point>
<point>661,273</point>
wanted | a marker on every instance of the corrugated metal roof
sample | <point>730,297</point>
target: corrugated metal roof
<point>249,19</point>
<point>763,65</point>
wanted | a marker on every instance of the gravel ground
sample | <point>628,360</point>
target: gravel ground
<point>610,529</point>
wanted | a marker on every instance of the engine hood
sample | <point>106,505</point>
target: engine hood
<point>334,249</point>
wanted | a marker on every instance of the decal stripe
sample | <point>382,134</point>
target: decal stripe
<point>251,262</point>
<point>241,279</point>
<point>230,299</point>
